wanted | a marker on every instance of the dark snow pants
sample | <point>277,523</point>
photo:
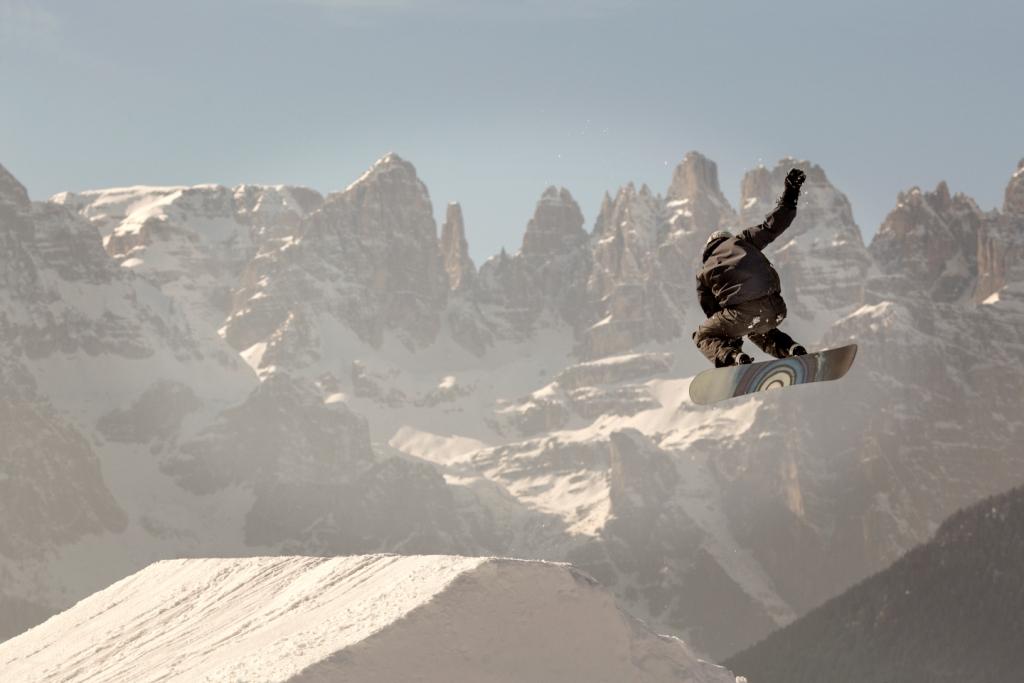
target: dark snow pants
<point>722,334</point>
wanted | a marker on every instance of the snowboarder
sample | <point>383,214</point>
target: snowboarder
<point>740,291</point>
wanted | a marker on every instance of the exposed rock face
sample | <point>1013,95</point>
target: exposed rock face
<point>380,233</point>
<point>556,227</point>
<point>368,258</point>
<point>157,415</point>
<point>108,385</point>
<point>469,326</point>
<point>547,276</point>
<point>628,287</point>
<point>541,405</point>
<point>649,526</point>
<point>51,489</point>
<point>821,257</point>
<point>80,338</point>
<point>818,489</point>
<point>695,198</point>
<point>193,242</point>
<point>930,240</point>
<point>951,249</point>
<point>11,191</point>
<point>65,297</point>
<point>1001,248</point>
<point>283,433</point>
<point>646,254</point>
<point>926,422</point>
<point>318,486</point>
<point>1000,259</point>
<point>455,250</point>
<point>695,207</point>
<point>274,212</point>
<point>1014,197</point>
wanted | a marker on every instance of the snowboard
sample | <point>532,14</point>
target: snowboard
<point>719,384</point>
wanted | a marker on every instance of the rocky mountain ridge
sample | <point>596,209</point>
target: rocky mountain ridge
<point>395,398</point>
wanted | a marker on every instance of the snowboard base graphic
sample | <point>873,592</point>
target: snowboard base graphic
<point>719,384</point>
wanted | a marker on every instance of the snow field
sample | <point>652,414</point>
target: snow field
<point>373,619</point>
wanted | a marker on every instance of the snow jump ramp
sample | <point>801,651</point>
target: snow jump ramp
<point>365,619</point>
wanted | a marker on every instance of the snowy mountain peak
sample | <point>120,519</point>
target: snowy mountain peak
<point>388,164</point>
<point>369,254</point>
<point>345,310</point>
<point>12,191</point>
<point>193,242</point>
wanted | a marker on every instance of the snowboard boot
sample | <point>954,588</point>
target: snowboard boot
<point>797,350</point>
<point>739,358</point>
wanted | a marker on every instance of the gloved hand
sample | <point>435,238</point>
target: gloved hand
<point>795,178</point>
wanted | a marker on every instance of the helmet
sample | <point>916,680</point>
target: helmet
<point>713,240</point>
<point>718,235</point>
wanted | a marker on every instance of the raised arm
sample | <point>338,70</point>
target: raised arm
<point>781,217</point>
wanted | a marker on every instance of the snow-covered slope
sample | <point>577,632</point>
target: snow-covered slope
<point>132,432</point>
<point>373,619</point>
<point>98,371</point>
<point>535,407</point>
<point>193,242</point>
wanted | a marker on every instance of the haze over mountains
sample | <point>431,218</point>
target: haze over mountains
<point>949,610</point>
<point>210,371</point>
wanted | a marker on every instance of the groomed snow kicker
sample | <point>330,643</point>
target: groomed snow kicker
<point>373,619</point>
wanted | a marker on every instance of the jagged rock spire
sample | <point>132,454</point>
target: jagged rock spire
<point>370,252</point>
<point>1001,246</point>
<point>824,233</point>
<point>1014,199</point>
<point>455,249</point>
<point>12,191</point>
<point>695,197</point>
<point>761,188</point>
<point>549,273</point>
<point>556,226</point>
<point>930,239</point>
<point>695,175</point>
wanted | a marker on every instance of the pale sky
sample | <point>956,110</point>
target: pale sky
<point>494,100</point>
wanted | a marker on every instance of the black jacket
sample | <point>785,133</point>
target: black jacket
<point>734,268</point>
